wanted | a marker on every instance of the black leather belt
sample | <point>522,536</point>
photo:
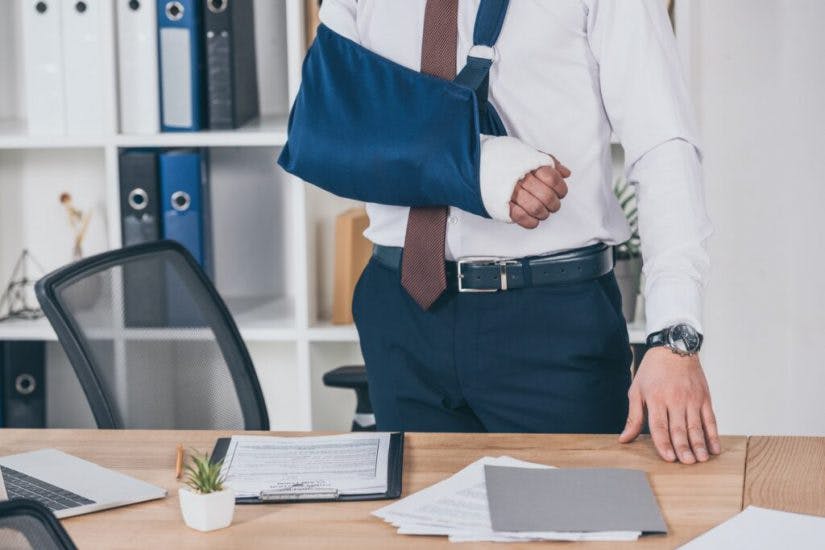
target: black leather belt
<point>489,274</point>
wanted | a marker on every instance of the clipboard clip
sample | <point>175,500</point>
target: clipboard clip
<point>299,491</point>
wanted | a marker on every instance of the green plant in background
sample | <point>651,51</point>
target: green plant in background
<point>626,195</point>
<point>203,475</point>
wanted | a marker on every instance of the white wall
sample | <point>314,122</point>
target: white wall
<point>759,78</point>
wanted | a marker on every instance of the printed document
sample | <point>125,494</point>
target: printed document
<point>457,507</point>
<point>352,464</point>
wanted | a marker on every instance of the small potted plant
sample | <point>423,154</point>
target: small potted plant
<point>207,505</point>
<point>628,268</point>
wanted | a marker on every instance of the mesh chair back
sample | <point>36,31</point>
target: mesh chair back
<point>152,342</point>
<point>29,525</point>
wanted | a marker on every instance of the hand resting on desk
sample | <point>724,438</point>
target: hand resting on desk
<point>674,392</point>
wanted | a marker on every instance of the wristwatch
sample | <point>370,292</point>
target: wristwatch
<point>681,339</point>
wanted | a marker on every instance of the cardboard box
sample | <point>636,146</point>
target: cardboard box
<point>352,252</point>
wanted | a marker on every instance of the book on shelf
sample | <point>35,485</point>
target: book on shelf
<point>43,68</point>
<point>84,24</point>
<point>22,384</point>
<point>231,80</point>
<point>180,60</point>
<point>141,215</point>
<point>137,48</point>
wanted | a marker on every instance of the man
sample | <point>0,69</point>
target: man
<point>551,355</point>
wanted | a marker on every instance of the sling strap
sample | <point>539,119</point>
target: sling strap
<point>476,73</point>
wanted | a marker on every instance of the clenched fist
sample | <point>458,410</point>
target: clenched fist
<point>539,194</point>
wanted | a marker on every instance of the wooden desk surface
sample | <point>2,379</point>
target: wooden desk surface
<point>786,473</point>
<point>693,498</point>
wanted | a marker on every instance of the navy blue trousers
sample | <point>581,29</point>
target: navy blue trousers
<point>551,359</point>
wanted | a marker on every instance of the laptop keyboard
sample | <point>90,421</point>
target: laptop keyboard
<point>19,485</point>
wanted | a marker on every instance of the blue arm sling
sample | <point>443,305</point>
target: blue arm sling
<point>367,128</point>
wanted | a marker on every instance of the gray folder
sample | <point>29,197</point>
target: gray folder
<point>582,500</point>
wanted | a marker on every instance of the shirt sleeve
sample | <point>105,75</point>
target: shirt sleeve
<point>339,15</point>
<point>646,100</point>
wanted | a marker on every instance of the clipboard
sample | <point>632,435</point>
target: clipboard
<point>395,469</point>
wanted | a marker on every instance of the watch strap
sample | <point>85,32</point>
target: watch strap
<point>658,338</point>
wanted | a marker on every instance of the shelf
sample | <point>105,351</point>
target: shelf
<point>13,135</point>
<point>38,329</point>
<point>259,320</point>
<point>268,131</point>
<point>327,332</point>
<point>260,228</point>
<point>264,319</point>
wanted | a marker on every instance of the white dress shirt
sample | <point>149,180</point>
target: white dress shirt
<point>566,74</point>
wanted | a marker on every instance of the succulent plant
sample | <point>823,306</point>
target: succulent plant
<point>626,195</point>
<point>203,475</point>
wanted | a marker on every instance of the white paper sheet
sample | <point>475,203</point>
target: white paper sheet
<point>762,529</point>
<point>353,464</point>
<point>3,494</point>
<point>457,507</point>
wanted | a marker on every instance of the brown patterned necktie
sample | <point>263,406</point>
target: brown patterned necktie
<point>422,265</point>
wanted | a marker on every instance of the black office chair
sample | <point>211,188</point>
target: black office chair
<point>29,525</point>
<point>354,377</point>
<point>152,342</point>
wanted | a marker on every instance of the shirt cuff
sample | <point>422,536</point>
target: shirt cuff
<point>673,300</point>
<point>504,161</point>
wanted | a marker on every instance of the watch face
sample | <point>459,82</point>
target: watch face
<point>684,338</point>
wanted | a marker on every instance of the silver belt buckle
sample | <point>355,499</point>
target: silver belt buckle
<point>484,260</point>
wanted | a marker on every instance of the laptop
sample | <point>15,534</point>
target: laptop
<point>70,486</point>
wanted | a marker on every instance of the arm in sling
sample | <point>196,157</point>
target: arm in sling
<point>366,128</point>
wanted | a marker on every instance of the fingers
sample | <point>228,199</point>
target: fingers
<point>543,193</point>
<point>711,431</point>
<point>535,202</point>
<point>521,217</point>
<point>561,168</point>
<point>678,436</point>
<point>657,420</point>
<point>696,435</point>
<point>552,179</point>
<point>679,431</point>
<point>538,195</point>
<point>635,417</point>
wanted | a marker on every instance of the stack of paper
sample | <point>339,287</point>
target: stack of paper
<point>457,507</point>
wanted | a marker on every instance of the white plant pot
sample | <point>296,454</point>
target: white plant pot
<point>207,512</point>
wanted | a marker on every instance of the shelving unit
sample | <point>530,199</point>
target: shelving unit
<point>273,234</point>
<point>262,237</point>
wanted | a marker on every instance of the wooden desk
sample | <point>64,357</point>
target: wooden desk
<point>786,473</point>
<point>693,498</point>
